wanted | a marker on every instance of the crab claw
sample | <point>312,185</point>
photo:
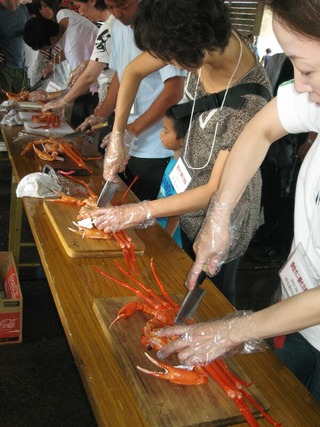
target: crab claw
<point>174,374</point>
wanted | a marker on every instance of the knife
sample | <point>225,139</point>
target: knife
<point>107,193</point>
<point>81,132</point>
<point>192,300</point>
<point>36,85</point>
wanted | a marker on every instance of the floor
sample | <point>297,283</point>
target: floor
<point>39,382</point>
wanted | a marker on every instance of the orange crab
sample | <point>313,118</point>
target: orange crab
<point>48,118</point>
<point>17,97</point>
<point>54,146</point>
<point>163,310</point>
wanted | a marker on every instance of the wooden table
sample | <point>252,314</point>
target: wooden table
<point>74,286</point>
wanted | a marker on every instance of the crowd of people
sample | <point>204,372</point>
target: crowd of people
<point>194,114</point>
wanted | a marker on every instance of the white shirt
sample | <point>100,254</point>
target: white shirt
<point>298,114</point>
<point>78,40</point>
<point>101,53</point>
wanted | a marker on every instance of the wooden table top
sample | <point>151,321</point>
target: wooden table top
<point>75,286</point>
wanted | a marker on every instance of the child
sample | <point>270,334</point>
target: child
<point>172,136</point>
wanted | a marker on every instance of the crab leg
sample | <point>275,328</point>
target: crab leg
<point>163,291</point>
<point>141,285</point>
<point>174,374</point>
<point>86,185</point>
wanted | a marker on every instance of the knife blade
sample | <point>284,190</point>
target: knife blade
<point>81,132</point>
<point>36,85</point>
<point>107,193</point>
<point>192,300</point>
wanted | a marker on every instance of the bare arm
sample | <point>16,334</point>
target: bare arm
<point>172,93</point>
<point>83,83</point>
<point>249,151</point>
<point>134,73</point>
<point>172,225</point>
<point>108,105</point>
<point>204,342</point>
<point>213,241</point>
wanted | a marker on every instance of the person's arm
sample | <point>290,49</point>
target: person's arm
<point>134,73</point>
<point>130,215</point>
<point>80,87</point>
<point>108,105</point>
<point>213,241</point>
<point>171,94</point>
<point>201,343</point>
<point>172,224</point>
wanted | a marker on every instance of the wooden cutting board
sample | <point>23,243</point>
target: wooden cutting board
<point>62,216</point>
<point>66,165</point>
<point>164,403</point>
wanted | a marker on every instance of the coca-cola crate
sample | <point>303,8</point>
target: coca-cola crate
<point>10,301</point>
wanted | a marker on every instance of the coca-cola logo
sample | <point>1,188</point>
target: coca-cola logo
<point>11,284</point>
<point>7,324</point>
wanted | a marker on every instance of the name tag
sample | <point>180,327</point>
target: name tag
<point>298,274</point>
<point>180,176</point>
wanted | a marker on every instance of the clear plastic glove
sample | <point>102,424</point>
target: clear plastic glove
<point>47,70</point>
<point>38,95</point>
<point>89,122</point>
<point>219,232</point>
<point>58,105</point>
<point>201,343</point>
<point>117,146</point>
<point>116,218</point>
<point>76,73</point>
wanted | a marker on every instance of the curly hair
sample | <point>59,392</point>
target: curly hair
<point>182,30</point>
<point>299,16</point>
<point>38,32</point>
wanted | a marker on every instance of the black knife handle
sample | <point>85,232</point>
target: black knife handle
<point>201,278</point>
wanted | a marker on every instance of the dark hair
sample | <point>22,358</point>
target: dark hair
<point>180,125</point>
<point>38,31</point>
<point>182,30</point>
<point>301,16</point>
<point>53,4</point>
<point>99,4</point>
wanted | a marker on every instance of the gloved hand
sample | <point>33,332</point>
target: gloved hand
<point>90,121</point>
<point>219,232</point>
<point>58,106</point>
<point>212,242</point>
<point>117,146</point>
<point>47,70</point>
<point>116,218</point>
<point>74,75</point>
<point>38,95</point>
<point>201,343</point>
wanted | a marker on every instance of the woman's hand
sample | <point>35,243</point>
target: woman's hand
<point>47,70</point>
<point>117,145</point>
<point>201,343</point>
<point>58,106</point>
<point>89,122</point>
<point>116,218</point>
<point>76,73</point>
<point>38,95</point>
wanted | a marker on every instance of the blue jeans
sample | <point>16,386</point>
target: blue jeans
<point>303,360</point>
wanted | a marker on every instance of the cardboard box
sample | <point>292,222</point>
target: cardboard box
<point>10,301</point>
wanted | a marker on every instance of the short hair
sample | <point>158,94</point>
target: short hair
<point>182,30</point>
<point>299,16</point>
<point>180,125</point>
<point>38,32</point>
<point>53,4</point>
